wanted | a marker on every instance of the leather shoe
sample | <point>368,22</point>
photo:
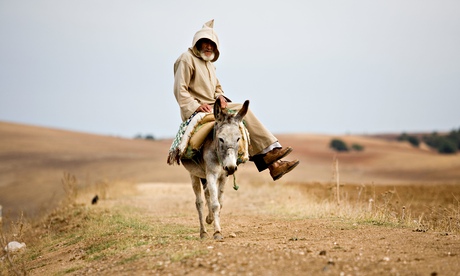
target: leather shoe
<point>276,154</point>
<point>280,168</point>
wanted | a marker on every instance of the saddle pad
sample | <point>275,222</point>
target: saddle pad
<point>201,131</point>
<point>193,132</point>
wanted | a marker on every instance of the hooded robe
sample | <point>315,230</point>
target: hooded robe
<point>195,83</point>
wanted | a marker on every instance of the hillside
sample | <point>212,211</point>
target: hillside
<point>34,159</point>
<point>397,211</point>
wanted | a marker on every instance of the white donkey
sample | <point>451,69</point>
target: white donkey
<point>218,160</point>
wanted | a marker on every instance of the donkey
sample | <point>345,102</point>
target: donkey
<point>217,160</point>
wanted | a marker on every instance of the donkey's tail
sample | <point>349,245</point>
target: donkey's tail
<point>174,157</point>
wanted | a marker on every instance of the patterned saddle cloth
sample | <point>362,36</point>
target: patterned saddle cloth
<point>193,132</point>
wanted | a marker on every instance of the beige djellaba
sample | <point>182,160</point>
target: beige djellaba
<point>195,83</point>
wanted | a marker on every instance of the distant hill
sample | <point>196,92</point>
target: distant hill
<point>33,160</point>
<point>394,136</point>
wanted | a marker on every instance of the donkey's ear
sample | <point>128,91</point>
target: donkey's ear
<point>243,111</point>
<point>217,110</point>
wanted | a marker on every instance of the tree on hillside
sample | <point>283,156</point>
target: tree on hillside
<point>432,140</point>
<point>357,147</point>
<point>146,137</point>
<point>338,145</point>
<point>413,140</point>
<point>454,136</point>
<point>444,144</point>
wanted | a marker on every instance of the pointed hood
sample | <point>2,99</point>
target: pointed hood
<point>206,32</point>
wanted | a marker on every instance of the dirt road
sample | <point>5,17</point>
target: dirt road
<point>263,237</point>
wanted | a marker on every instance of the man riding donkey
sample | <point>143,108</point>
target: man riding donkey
<point>196,88</point>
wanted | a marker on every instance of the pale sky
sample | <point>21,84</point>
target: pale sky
<point>329,67</point>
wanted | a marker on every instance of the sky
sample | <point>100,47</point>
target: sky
<point>326,67</point>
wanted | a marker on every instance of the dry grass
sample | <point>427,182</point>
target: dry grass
<point>95,234</point>
<point>13,263</point>
<point>419,206</point>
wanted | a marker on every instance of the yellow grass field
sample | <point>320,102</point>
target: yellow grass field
<point>396,210</point>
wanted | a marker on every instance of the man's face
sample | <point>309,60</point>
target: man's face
<point>207,47</point>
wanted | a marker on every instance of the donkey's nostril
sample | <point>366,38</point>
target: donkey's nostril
<point>230,170</point>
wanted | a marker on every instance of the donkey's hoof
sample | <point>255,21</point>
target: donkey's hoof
<point>209,219</point>
<point>218,236</point>
<point>204,235</point>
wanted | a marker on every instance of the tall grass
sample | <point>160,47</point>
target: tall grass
<point>12,263</point>
<point>420,207</point>
<point>92,234</point>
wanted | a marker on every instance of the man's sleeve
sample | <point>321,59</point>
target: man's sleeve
<point>220,92</point>
<point>182,76</point>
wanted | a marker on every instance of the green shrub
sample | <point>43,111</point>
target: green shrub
<point>446,145</point>
<point>357,147</point>
<point>432,140</point>
<point>338,145</point>
<point>146,137</point>
<point>454,136</point>
<point>402,137</point>
<point>413,140</point>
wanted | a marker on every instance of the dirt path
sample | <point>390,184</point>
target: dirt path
<point>260,239</point>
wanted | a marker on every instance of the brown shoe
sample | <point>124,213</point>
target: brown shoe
<point>280,168</point>
<point>276,154</point>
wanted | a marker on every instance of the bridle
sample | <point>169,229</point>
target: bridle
<point>221,163</point>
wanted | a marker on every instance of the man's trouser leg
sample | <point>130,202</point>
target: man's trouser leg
<point>260,137</point>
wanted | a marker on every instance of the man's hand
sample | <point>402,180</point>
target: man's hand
<point>223,102</point>
<point>204,108</point>
<point>208,108</point>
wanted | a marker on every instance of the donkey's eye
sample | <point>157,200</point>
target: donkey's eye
<point>221,140</point>
<point>238,139</point>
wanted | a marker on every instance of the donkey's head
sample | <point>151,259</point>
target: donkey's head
<point>228,135</point>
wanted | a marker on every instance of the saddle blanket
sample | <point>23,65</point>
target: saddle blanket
<point>193,132</point>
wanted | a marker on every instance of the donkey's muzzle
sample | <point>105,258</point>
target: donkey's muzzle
<point>230,169</point>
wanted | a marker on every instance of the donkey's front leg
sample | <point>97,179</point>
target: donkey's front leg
<point>210,216</point>
<point>196,184</point>
<point>221,182</point>
<point>212,187</point>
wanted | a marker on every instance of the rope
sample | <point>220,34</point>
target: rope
<point>235,187</point>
